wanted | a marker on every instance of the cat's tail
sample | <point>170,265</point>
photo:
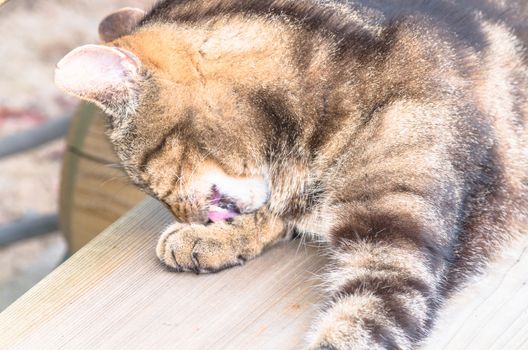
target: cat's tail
<point>519,14</point>
<point>384,296</point>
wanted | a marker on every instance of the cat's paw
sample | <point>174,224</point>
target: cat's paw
<point>332,344</point>
<point>356,323</point>
<point>199,248</point>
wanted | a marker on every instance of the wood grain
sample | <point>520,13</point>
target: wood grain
<point>95,191</point>
<point>492,312</point>
<point>113,294</point>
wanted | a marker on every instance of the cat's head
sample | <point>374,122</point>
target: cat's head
<point>186,116</point>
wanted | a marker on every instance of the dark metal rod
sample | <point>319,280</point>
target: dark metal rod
<point>34,137</point>
<point>28,227</point>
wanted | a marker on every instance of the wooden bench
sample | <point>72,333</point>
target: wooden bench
<point>113,294</point>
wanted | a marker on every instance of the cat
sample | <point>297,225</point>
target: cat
<point>392,131</point>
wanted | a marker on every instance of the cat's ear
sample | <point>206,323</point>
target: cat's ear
<point>119,23</point>
<point>108,76</point>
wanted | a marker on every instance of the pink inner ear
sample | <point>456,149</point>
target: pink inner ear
<point>95,71</point>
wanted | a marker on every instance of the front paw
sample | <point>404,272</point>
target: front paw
<point>199,248</point>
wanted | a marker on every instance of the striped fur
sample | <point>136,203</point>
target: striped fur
<point>395,131</point>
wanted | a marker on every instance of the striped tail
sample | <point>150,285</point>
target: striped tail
<point>383,296</point>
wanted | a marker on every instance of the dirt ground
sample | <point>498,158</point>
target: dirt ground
<point>35,35</point>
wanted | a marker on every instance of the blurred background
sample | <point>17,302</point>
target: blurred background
<point>35,35</point>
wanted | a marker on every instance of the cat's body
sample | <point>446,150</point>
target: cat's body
<point>394,131</point>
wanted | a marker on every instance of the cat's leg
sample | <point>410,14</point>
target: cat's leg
<point>385,285</point>
<point>214,247</point>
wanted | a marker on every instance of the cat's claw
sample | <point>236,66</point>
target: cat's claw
<point>198,248</point>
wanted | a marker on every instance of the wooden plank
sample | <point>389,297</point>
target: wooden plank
<point>492,312</point>
<point>95,191</point>
<point>101,195</point>
<point>113,294</point>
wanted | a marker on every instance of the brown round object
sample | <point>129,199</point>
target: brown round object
<point>95,191</point>
<point>119,23</point>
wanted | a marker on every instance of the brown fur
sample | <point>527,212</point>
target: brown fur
<point>394,131</point>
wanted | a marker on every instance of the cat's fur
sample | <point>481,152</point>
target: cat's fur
<point>395,131</point>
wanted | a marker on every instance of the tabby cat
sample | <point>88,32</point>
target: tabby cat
<point>394,131</point>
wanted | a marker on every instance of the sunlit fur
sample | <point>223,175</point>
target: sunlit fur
<point>394,131</point>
